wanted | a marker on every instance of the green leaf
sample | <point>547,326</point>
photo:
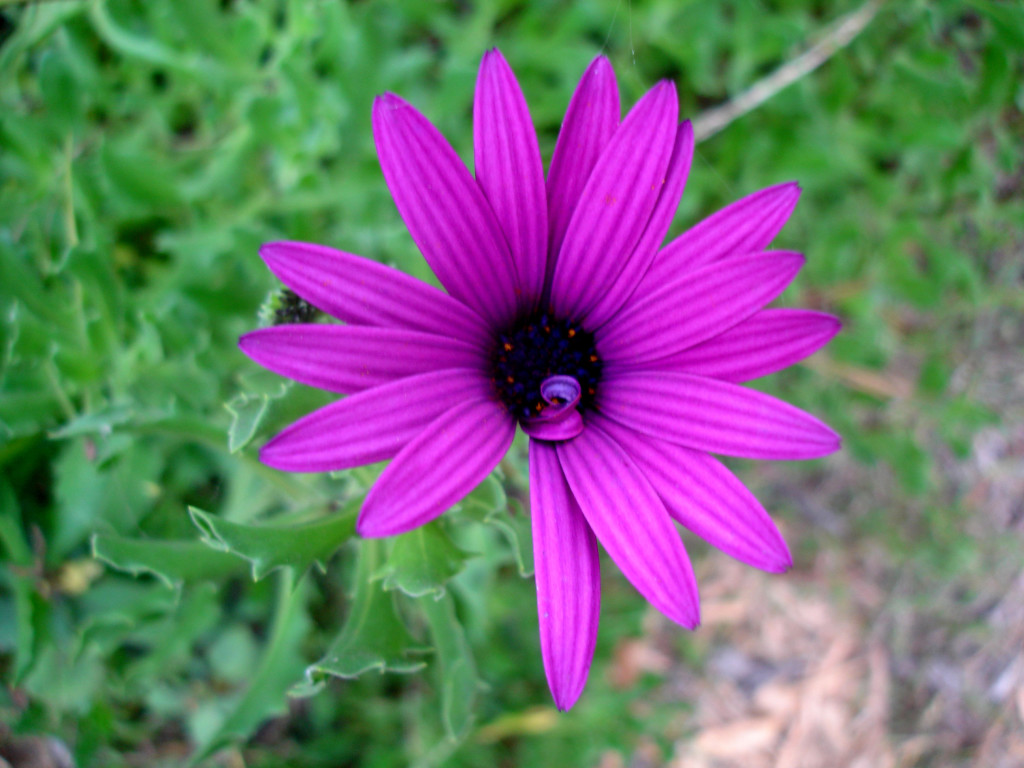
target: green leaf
<point>486,499</point>
<point>27,603</point>
<point>269,547</point>
<point>373,636</point>
<point>143,48</point>
<point>459,681</point>
<point>68,683</point>
<point>422,561</point>
<point>101,422</point>
<point>58,87</point>
<point>173,562</point>
<point>93,497</point>
<point>35,24</point>
<point>135,181</point>
<point>515,524</point>
<point>170,636</point>
<point>488,503</point>
<point>278,670</point>
<point>1008,20</point>
<point>246,414</point>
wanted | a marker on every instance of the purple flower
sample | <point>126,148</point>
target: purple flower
<point>620,359</point>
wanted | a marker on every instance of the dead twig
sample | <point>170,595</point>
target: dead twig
<point>841,34</point>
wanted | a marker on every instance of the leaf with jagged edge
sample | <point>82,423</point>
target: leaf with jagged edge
<point>174,562</point>
<point>373,638</point>
<point>248,408</point>
<point>422,561</point>
<point>488,503</point>
<point>457,672</point>
<point>269,547</point>
<point>246,414</point>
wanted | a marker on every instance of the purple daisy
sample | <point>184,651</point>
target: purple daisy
<point>621,360</point>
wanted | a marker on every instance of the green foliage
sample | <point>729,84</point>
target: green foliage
<point>373,638</point>
<point>457,677</point>
<point>173,562</point>
<point>421,562</point>
<point>234,718</point>
<point>149,148</point>
<point>488,504</point>
<point>271,547</point>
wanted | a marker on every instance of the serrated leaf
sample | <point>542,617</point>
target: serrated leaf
<point>248,408</point>
<point>260,381</point>
<point>486,499</point>
<point>173,562</point>
<point>373,638</point>
<point>515,524</point>
<point>488,503</point>
<point>269,547</point>
<point>246,414</point>
<point>278,670</point>
<point>422,561</point>
<point>457,672</point>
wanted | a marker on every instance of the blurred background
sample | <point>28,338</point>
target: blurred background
<point>147,149</point>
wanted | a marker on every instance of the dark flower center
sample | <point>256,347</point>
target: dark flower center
<point>289,307</point>
<point>535,349</point>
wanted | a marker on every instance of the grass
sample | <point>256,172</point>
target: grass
<point>149,148</point>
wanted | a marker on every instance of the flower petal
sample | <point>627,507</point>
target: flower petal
<point>560,420</point>
<point>445,211</point>
<point>616,204</point>
<point>706,498</point>
<point>447,460</point>
<point>590,120</point>
<point>351,358</point>
<point>764,343</point>
<point>746,226</point>
<point>565,427</point>
<point>568,577</point>
<point>661,219</point>
<point>714,416</point>
<point>372,425</point>
<point>696,306</point>
<point>362,292</point>
<point>509,169</point>
<point>631,523</point>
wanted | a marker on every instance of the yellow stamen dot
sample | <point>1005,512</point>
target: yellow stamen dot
<point>538,407</point>
<point>508,347</point>
<point>510,380</point>
<point>572,332</point>
<point>593,358</point>
<point>547,329</point>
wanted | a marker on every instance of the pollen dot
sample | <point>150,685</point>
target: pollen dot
<point>533,349</point>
